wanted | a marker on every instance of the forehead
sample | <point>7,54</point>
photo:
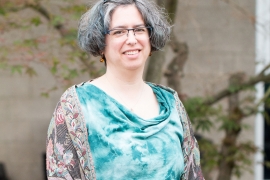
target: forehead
<point>126,16</point>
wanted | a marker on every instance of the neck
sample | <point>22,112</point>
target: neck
<point>129,79</point>
<point>126,88</point>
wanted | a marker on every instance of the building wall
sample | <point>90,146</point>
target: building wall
<point>220,39</point>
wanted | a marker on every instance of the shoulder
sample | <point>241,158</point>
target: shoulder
<point>166,90</point>
<point>161,87</point>
<point>75,87</point>
<point>71,92</point>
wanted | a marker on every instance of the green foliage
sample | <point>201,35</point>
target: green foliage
<point>55,66</point>
<point>57,20</point>
<point>228,124</point>
<point>233,88</point>
<point>209,154</point>
<point>3,65</point>
<point>70,38</point>
<point>2,11</point>
<point>66,64</point>
<point>36,21</point>
<point>46,94</point>
<point>207,117</point>
<point>76,10</point>
<point>30,71</point>
<point>201,115</point>
<point>16,69</point>
<point>5,7</point>
<point>14,25</point>
<point>27,43</point>
<point>72,73</point>
<point>241,157</point>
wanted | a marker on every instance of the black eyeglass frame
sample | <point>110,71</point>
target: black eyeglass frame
<point>149,28</point>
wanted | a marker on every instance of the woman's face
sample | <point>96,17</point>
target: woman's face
<point>127,51</point>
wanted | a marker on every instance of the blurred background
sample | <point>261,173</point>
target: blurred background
<point>217,60</point>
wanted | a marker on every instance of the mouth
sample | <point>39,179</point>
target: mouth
<point>133,52</point>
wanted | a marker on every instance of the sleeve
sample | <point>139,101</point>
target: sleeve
<point>61,158</point>
<point>190,147</point>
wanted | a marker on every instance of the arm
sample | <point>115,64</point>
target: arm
<point>68,151</point>
<point>190,146</point>
<point>62,161</point>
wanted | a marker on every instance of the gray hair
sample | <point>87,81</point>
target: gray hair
<point>95,23</point>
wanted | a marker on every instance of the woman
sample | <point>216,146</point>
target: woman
<point>117,126</point>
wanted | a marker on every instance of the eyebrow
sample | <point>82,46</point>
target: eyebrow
<point>122,27</point>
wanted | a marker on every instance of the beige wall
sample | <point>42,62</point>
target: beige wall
<point>220,40</point>
<point>23,125</point>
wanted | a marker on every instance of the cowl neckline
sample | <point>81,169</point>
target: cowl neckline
<point>126,146</point>
<point>149,125</point>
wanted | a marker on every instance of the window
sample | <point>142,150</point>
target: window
<point>267,138</point>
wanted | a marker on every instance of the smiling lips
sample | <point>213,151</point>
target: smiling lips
<point>131,52</point>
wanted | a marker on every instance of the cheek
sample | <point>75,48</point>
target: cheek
<point>147,44</point>
<point>112,51</point>
<point>112,46</point>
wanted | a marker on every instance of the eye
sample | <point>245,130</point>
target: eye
<point>140,30</point>
<point>119,32</point>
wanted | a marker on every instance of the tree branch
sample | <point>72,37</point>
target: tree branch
<point>44,12</point>
<point>61,29</point>
<point>157,59</point>
<point>264,69</point>
<point>226,92</point>
<point>255,108</point>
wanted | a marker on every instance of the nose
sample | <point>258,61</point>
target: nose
<point>131,38</point>
<point>131,30</point>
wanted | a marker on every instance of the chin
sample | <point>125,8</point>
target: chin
<point>135,65</point>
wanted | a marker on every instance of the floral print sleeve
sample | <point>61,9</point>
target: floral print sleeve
<point>67,151</point>
<point>190,146</point>
<point>61,156</point>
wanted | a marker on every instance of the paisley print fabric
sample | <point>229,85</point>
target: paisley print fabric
<point>68,150</point>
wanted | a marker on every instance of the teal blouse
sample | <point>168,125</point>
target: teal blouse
<point>125,146</point>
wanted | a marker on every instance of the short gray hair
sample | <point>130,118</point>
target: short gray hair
<point>95,23</point>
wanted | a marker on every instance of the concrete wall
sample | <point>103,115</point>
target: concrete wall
<point>25,114</point>
<point>24,120</point>
<point>220,39</point>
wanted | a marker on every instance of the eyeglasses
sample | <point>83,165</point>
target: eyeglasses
<point>142,31</point>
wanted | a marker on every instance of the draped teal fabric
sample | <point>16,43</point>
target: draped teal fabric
<point>125,146</point>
